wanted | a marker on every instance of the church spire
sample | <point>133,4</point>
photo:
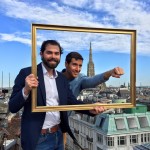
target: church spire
<point>90,71</point>
<point>90,55</point>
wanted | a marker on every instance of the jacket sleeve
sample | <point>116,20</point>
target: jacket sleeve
<point>91,82</point>
<point>17,101</point>
<point>73,101</point>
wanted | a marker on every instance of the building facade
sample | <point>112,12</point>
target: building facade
<point>126,131</point>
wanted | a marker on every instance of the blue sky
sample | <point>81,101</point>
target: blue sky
<point>15,34</point>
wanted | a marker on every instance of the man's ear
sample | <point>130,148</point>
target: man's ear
<point>66,64</point>
<point>40,53</point>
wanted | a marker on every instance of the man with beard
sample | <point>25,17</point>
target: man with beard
<point>43,130</point>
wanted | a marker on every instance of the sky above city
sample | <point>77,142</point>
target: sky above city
<point>109,50</point>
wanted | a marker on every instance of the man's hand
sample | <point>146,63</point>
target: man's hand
<point>97,110</point>
<point>30,82</point>
<point>116,72</point>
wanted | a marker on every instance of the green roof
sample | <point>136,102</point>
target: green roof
<point>140,108</point>
<point>123,123</point>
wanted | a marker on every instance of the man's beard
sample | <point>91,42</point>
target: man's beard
<point>48,64</point>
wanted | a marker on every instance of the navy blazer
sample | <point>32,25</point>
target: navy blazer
<point>32,122</point>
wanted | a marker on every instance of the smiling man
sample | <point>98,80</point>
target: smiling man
<point>78,81</point>
<point>43,130</point>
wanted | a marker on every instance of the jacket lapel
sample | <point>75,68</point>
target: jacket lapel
<point>59,89</point>
<point>41,83</point>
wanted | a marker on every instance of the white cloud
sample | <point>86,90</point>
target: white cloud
<point>16,37</point>
<point>78,3</point>
<point>52,14</point>
<point>129,14</point>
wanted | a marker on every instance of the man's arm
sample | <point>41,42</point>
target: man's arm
<point>16,101</point>
<point>91,82</point>
<point>116,72</point>
<point>73,101</point>
<point>23,85</point>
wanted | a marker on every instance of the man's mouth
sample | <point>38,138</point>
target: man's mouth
<point>53,61</point>
<point>76,73</point>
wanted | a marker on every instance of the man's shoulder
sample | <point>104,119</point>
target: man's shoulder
<point>29,68</point>
<point>81,75</point>
<point>26,69</point>
<point>79,78</point>
<point>61,75</point>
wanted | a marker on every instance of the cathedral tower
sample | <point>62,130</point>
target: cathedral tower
<point>90,70</point>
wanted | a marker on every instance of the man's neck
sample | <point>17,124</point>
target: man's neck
<point>67,75</point>
<point>50,71</point>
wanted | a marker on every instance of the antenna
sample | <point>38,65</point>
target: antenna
<point>9,80</point>
<point>2,81</point>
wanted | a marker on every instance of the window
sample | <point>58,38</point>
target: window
<point>110,141</point>
<point>143,122</point>
<point>100,138</point>
<point>84,143</point>
<point>99,148</point>
<point>71,122</point>
<point>102,120</point>
<point>132,123</point>
<point>92,120</point>
<point>121,140</point>
<point>90,146</point>
<point>133,139</point>
<point>90,133</point>
<point>75,125</point>
<point>85,117</point>
<point>82,129</point>
<point>120,124</point>
<point>88,119</point>
<point>76,147</point>
<point>145,137</point>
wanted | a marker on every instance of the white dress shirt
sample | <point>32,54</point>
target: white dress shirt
<point>52,99</point>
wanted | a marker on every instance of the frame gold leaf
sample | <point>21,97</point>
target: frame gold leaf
<point>129,32</point>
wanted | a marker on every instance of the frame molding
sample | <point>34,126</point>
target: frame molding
<point>132,33</point>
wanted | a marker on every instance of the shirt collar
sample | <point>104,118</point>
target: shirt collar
<point>45,72</point>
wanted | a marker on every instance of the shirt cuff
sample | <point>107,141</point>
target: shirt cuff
<point>24,96</point>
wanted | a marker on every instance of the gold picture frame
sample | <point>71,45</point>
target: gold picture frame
<point>132,68</point>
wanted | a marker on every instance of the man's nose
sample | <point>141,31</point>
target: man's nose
<point>78,68</point>
<point>53,55</point>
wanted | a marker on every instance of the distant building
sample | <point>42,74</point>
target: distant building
<point>124,93</point>
<point>3,114</point>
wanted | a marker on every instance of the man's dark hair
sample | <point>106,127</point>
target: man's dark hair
<point>74,55</point>
<point>51,42</point>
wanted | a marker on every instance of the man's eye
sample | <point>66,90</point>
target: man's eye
<point>49,52</point>
<point>56,53</point>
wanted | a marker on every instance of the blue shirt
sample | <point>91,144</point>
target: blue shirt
<point>83,82</point>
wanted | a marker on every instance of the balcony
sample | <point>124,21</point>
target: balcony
<point>89,139</point>
<point>76,131</point>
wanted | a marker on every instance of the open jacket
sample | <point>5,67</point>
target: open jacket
<point>32,122</point>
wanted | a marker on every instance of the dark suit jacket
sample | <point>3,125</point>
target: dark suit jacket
<point>31,122</point>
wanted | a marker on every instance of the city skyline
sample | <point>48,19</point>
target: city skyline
<point>15,33</point>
